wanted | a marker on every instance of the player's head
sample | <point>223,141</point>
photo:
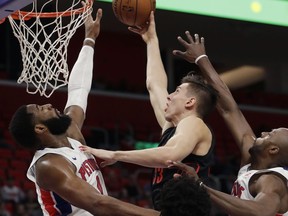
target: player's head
<point>193,95</point>
<point>206,95</point>
<point>30,121</point>
<point>184,196</point>
<point>273,144</point>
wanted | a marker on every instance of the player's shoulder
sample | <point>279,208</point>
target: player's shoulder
<point>50,168</point>
<point>51,161</point>
<point>191,120</point>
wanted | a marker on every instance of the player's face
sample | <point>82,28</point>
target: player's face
<point>56,122</point>
<point>277,137</point>
<point>176,102</point>
<point>43,112</point>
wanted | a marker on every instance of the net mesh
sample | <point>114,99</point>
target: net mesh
<point>44,38</point>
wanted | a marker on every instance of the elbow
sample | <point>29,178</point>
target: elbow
<point>168,157</point>
<point>149,84</point>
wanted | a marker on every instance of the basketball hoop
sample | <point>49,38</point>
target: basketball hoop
<point>44,37</point>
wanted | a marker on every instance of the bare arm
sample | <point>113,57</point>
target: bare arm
<point>55,173</point>
<point>156,78</point>
<point>269,190</point>
<point>183,143</point>
<point>226,106</point>
<point>80,79</point>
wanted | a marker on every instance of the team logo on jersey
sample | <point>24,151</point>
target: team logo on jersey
<point>74,158</point>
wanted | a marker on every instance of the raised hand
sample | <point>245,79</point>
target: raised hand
<point>147,32</point>
<point>194,47</point>
<point>92,27</point>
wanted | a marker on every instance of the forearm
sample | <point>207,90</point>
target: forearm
<point>225,100</point>
<point>235,206</point>
<point>154,157</point>
<point>80,79</point>
<point>156,81</point>
<point>228,108</point>
<point>155,72</point>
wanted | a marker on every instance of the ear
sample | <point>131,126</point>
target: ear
<point>40,128</point>
<point>273,149</point>
<point>190,102</point>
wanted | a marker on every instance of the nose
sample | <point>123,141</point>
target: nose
<point>169,97</point>
<point>263,134</point>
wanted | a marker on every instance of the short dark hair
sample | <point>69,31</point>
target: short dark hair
<point>184,196</point>
<point>205,93</point>
<point>21,128</point>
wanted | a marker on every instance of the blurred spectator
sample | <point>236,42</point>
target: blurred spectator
<point>32,206</point>
<point>11,192</point>
<point>3,210</point>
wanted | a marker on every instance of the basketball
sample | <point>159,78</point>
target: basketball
<point>133,12</point>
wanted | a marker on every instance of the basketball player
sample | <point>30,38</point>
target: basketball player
<point>262,179</point>
<point>68,181</point>
<point>185,136</point>
<point>184,196</point>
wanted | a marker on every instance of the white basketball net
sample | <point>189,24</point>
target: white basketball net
<point>44,42</point>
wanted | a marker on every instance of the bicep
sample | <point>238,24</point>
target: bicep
<point>187,136</point>
<point>270,190</point>
<point>62,180</point>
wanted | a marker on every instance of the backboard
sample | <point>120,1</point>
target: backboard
<point>9,6</point>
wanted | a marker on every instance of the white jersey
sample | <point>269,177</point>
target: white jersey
<point>86,168</point>
<point>241,185</point>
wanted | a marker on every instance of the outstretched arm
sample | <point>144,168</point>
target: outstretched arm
<point>156,78</point>
<point>177,148</point>
<point>226,106</point>
<point>80,79</point>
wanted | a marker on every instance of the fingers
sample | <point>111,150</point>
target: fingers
<point>152,18</point>
<point>177,175</point>
<point>84,148</point>
<point>99,15</point>
<point>103,164</point>
<point>178,165</point>
<point>202,40</point>
<point>107,163</point>
<point>189,37</point>
<point>135,30</point>
<point>178,53</point>
<point>183,42</point>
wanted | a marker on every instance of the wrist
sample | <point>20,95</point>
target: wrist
<point>200,183</point>
<point>89,41</point>
<point>200,57</point>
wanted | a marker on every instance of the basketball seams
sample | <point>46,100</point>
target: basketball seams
<point>133,12</point>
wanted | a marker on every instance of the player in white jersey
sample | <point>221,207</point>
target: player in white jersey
<point>262,178</point>
<point>86,169</point>
<point>246,176</point>
<point>68,181</point>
